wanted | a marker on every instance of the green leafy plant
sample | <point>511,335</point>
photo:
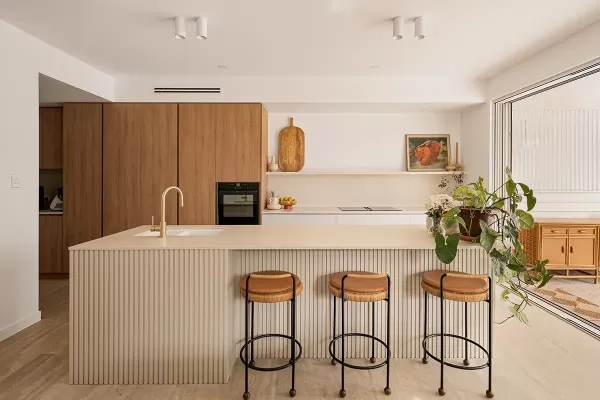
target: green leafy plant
<point>499,237</point>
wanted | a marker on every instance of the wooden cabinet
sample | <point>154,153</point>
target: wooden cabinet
<point>570,246</point>
<point>197,163</point>
<point>554,249</point>
<point>82,173</point>
<point>140,161</point>
<point>238,130</point>
<point>51,245</point>
<point>51,138</point>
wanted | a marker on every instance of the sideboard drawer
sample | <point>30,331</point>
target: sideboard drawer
<point>582,231</point>
<point>552,230</point>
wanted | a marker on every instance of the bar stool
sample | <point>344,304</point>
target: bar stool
<point>361,287</point>
<point>461,287</point>
<point>270,287</point>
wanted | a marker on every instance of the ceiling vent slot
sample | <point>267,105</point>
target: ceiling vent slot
<point>187,90</point>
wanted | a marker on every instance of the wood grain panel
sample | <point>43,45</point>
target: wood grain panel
<point>51,245</point>
<point>140,161</point>
<point>238,130</point>
<point>51,138</point>
<point>291,148</point>
<point>82,173</point>
<point>122,169</point>
<point>157,129</point>
<point>197,176</point>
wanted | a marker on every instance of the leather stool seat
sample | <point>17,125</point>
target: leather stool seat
<point>358,289</point>
<point>456,288</point>
<point>273,290</point>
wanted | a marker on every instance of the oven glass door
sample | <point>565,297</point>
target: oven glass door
<point>238,208</point>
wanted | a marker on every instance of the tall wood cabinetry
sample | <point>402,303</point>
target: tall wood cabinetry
<point>82,174</point>
<point>51,247</point>
<point>51,138</point>
<point>140,161</point>
<point>197,163</point>
<point>570,246</point>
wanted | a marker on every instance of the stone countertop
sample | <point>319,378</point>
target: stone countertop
<point>255,237</point>
<point>335,210</point>
<point>51,212</point>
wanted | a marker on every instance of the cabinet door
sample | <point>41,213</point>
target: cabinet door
<point>582,251</point>
<point>140,161</point>
<point>197,177</point>
<point>238,142</point>
<point>555,250</point>
<point>51,138</point>
<point>373,219</point>
<point>82,173</point>
<point>51,245</point>
<point>298,219</point>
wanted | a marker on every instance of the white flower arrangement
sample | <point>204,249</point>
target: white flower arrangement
<point>441,201</point>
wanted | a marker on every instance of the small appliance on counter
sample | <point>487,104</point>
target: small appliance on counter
<point>238,203</point>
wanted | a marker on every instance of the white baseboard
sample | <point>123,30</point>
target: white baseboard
<point>21,324</point>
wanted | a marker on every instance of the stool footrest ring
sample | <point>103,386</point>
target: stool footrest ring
<point>361,367</point>
<point>270,335</point>
<point>458,366</point>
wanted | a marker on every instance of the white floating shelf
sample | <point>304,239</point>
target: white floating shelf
<point>359,172</point>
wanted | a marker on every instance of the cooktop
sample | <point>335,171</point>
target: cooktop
<point>374,208</point>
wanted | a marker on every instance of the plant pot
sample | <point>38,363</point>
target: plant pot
<point>472,216</point>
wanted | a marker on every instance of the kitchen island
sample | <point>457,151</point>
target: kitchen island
<point>146,310</point>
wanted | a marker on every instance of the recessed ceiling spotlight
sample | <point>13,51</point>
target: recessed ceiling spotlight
<point>222,66</point>
<point>375,66</point>
<point>398,28</point>
<point>179,28</point>
<point>202,28</point>
<point>419,28</point>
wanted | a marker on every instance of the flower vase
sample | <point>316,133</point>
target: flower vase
<point>434,225</point>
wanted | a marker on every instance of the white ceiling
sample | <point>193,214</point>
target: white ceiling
<point>465,38</point>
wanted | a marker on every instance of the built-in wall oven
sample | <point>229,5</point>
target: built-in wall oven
<point>238,203</point>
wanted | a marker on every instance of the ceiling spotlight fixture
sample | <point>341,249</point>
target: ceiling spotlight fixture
<point>222,66</point>
<point>419,28</point>
<point>398,30</point>
<point>202,28</point>
<point>179,28</point>
<point>375,66</point>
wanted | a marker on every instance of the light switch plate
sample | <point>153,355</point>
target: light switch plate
<point>15,182</point>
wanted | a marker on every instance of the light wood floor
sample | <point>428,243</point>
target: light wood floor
<point>548,360</point>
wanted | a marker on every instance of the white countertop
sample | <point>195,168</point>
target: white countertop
<point>249,237</point>
<point>335,210</point>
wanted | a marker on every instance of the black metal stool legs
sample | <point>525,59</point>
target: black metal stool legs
<point>466,360</point>
<point>342,390</point>
<point>387,389</point>
<point>488,392</point>
<point>441,390</point>
<point>293,341</point>
<point>246,393</point>
<point>252,363</point>
<point>334,322</point>
<point>425,361</point>
<point>373,359</point>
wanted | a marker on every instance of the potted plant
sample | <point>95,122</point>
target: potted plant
<point>499,220</point>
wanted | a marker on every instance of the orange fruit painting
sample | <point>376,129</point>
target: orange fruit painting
<point>427,153</point>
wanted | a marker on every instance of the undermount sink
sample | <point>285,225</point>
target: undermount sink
<point>184,232</point>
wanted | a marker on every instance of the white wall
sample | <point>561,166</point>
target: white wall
<point>575,50</point>
<point>23,58</point>
<point>360,141</point>
<point>476,142</point>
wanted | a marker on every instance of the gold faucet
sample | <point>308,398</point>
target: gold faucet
<point>163,223</point>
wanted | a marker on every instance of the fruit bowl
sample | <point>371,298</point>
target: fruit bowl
<point>287,202</point>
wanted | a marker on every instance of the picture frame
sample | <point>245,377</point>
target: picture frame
<point>427,153</point>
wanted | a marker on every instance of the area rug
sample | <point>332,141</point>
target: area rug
<point>577,305</point>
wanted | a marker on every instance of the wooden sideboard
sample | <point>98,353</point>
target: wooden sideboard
<point>570,246</point>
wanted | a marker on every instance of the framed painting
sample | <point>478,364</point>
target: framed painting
<point>427,153</point>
